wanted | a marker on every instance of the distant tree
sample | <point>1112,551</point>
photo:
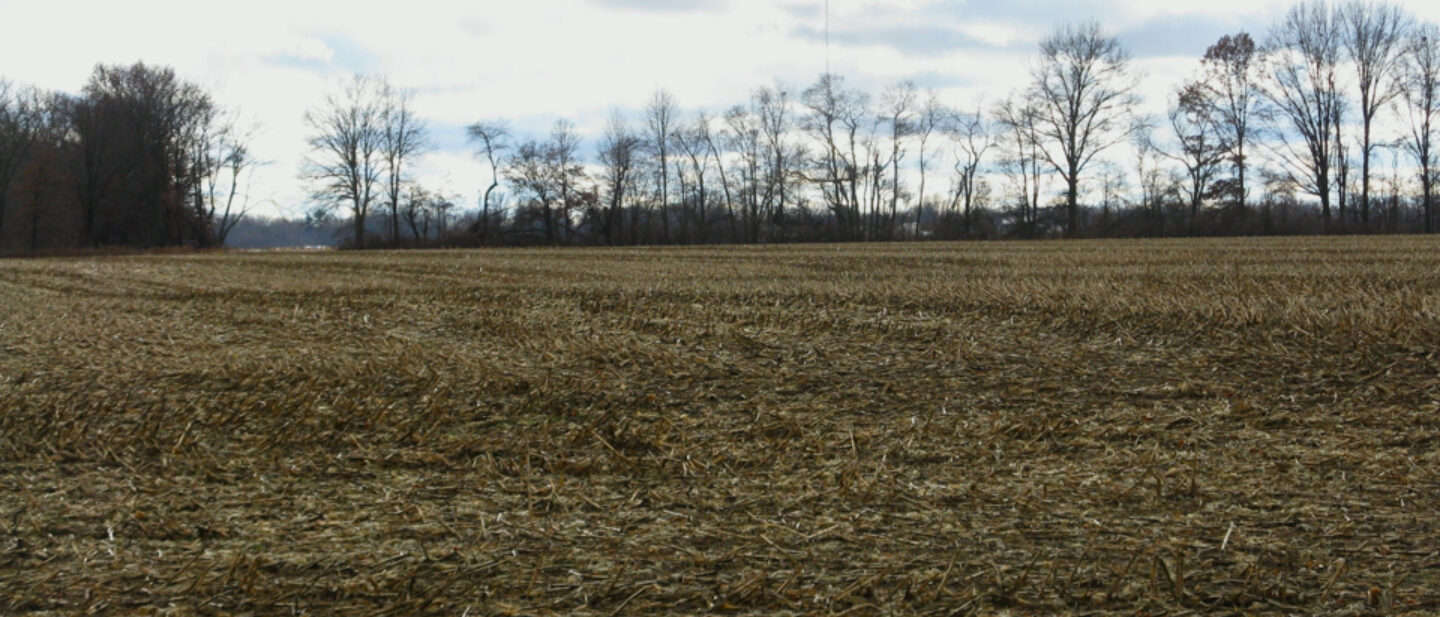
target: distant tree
<point>743,137</point>
<point>417,209</point>
<point>898,109</point>
<point>347,149</point>
<point>1112,191</point>
<point>619,156</point>
<point>692,140</point>
<point>1084,93</point>
<point>835,118</point>
<point>21,122</point>
<point>1303,60</point>
<point>137,130</point>
<point>1420,86</point>
<point>773,110</point>
<point>972,138</point>
<point>425,212</point>
<point>1230,95</point>
<point>531,173</point>
<point>567,171</point>
<point>550,175</point>
<point>136,135</point>
<point>226,162</point>
<point>660,118</point>
<point>1019,117</point>
<point>1373,35</point>
<point>492,138</point>
<point>1200,150</point>
<point>713,139</point>
<point>404,138</point>
<point>44,185</point>
<point>932,118</point>
<point>1151,174</point>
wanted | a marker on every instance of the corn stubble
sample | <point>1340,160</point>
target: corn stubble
<point>1214,427</point>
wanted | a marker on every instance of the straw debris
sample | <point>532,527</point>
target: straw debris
<point>1191,427</point>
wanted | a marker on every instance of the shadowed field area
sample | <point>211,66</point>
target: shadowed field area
<point>1155,427</point>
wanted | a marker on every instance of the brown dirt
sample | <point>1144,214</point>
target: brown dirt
<point>1137,428</point>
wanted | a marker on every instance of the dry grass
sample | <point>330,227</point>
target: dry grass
<point>1130,428</point>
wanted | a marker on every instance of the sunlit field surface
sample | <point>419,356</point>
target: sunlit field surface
<point>1148,427</point>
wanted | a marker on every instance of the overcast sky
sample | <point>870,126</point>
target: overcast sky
<point>533,61</point>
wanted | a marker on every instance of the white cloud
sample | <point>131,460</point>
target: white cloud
<point>540,60</point>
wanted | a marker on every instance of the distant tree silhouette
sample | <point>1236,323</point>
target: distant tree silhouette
<point>1084,92</point>
<point>660,118</point>
<point>404,137</point>
<point>1373,36</point>
<point>1302,66</point>
<point>492,139</point>
<point>1229,94</point>
<point>1420,81</point>
<point>1200,149</point>
<point>20,127</point>
<point>347,149</point>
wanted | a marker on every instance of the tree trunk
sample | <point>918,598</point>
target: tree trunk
<point>1072,203</point>
<point>1426,185</point>
<point>1365,177</point>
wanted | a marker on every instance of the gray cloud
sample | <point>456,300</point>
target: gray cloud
<point>1181,36</point>
<point>804,12</point>
<point>908,40</point>
<point>663,6</point>
<point>925,34</point>
<point>1041,14</point>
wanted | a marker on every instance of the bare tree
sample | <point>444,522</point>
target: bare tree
<point>1373,34</point>
<point>743,137</point>
<point>1230,95</point>
<point>1303,57</point>
<point>43,176</point>
<point>403,138</point>
<point>1342,160</point>
<point>1112,191</point>
<point>564,154</point>
<point>1420,85</point>
<point>531,173</point>
<point>493,139</point>
<point>619,153</point>
<point>347,140</point>
<point>425,211</point>
<point>551,175</point>
<point>972,138</point>
<point>1084,91</point>
<point>692,140</point>
<point>417,209</point>
<point>20,127</point>
<point>835,118</point>
<point>1150,171</point>
<point>227,163</point>
<point>712,145</point>
<point>1199,148</point>
<point>897,105</point>
<point>773,110</point>
<point>931,119</point>
<point>1019,115</point>
<point>660,120</point>
<point>137,127</point>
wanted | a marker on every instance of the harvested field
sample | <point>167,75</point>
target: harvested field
<point>1136,428</point>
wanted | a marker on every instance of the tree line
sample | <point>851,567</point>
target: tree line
<point>140,158</point>
<point>1326,124</point>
